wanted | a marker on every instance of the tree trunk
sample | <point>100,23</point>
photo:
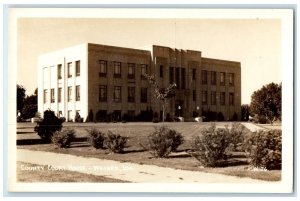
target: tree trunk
<point>163,114</point>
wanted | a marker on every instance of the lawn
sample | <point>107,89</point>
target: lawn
<point>137,134</point>
<point>26,174</point>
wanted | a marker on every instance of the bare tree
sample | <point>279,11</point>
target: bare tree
<point>162,94</point>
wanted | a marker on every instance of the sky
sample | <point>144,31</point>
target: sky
<point>256,43</point>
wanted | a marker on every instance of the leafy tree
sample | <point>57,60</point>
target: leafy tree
<point>20,97</point>
<point>162,94</point>
<point>30,106</point>
<point>267,101</point>
<point>245,112</point>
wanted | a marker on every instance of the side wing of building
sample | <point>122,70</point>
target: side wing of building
<point>62,82</point>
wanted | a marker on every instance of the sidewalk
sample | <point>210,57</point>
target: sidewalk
<point>252,127</point>
<point>123,170</point>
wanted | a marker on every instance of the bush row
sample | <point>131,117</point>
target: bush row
<point>211,147</point>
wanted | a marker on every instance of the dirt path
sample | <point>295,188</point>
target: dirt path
<point>123,170</point>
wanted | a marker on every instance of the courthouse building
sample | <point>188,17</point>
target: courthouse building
<point>99,80</point>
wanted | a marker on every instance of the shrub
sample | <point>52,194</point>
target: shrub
<point>115,142</point>
<point>220,116</point>
<point>164,140</point>
<point>237,136</point>
<point>96,138</point>
<point>264,149</point>
<point>63,139</point>
<point>211,146</point>
<point>48,126</point>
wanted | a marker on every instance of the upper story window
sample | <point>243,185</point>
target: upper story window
<point>161,71</point>
<point>231,98</point>
<point>117,69</point>
<point>52,96</point>
<point>131,71</point>
<point>70,69</point>
<point>102,93</point>
<point>143,95</point>
<point>77,93</point>
<point>143,70</point>
<point>222,78</point>
<point>69,94</point>
<point>77,64</point>
<point>222,98</point>
<point>204,76</point>
<point>213,97</point>
<point>194,95</point>
<point>59,94</point>
<point>213,77</point>
<point>194,74</point>
<point>117,93</point>
<point>103,68</point>
<point>204,97</point>
<point>131,94</point>
<point>59,71</point>
<point>171,74</point>
<point>45,95</point>
<point>231,79</point>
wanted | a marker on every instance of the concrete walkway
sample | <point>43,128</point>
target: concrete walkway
<point>122,170</point>
<point>252,127</point>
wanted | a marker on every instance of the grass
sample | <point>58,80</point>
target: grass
<point>44,175</point>
<point>137,134</point>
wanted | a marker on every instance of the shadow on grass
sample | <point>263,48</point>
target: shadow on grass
<point>133,151</point>
<point>31,142</point>
<point>24,132</point>
<point>40,141</point>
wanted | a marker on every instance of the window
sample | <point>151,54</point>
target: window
<point>52,96</point>
<point>102,93</point>
<point>213,97</point>
<point>144,95</point>
<point>182,78</point>
<point>177,71</point>
<point>194,74</point>
<point>161,71</point>
<point>143,70</point>
<point>70,115</point>
<point>194,95</point>
<point>222,98</point>
<point>231,79</point>
<point>117,93</point>
<point>213,77</point>
<point>204,97</point>
<point>222,78</point>
<point>131,71</point>
<point>69,94</point>
<point>204,76</point>
<point>70,69</point>
<point>103,68</point>
<point>131,94</point>
<point>77,64</point>
<point>45,95</point>
<point>117,69</point>
<point>171,75</point>
<point>59,95</point>
<point>78,93</point>
<point>231,98</point>
<point>59,68</point>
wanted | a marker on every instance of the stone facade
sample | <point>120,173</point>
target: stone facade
<point>111,84</point>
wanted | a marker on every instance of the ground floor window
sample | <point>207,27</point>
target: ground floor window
<point>70,117</point>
